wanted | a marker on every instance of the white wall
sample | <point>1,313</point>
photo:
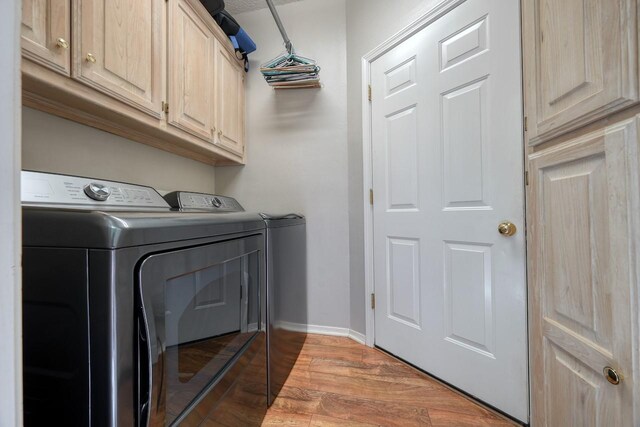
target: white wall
<point>10,231</point>
<point>297,147</point>
<point>53,144</point>
<point>369,23</point>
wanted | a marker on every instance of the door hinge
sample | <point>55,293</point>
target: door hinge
<point>165,107</point>
<point>373,301</point>
<point>526,126</point>
<point>370,97</point>
<point>526,177</point>
<point>371,197</point>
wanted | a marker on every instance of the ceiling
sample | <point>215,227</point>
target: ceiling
<point>239,6</point>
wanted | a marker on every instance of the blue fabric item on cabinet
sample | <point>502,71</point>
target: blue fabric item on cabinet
<point>245,42</point>
<point>234,42</point>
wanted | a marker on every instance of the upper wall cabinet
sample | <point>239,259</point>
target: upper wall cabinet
<point>191,71</point>
<point>581,63</point>
<point>159,72</point>
<point>46,33</point>
<point>230,101</point>
<point>118,50</point>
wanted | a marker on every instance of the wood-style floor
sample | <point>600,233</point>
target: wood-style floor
<point>338,382</point>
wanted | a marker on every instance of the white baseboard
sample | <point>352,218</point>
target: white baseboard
<point>290,326</point>
<point>357,336</point>
<point>328,330</point>
<point>323,330</point>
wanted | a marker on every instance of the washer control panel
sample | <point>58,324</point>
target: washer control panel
<point>202,201</point>
<point>53,189</point>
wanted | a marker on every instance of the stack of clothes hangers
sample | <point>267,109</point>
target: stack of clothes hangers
<point>291,71</point>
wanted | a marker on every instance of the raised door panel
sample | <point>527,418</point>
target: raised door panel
<point>46,33</point>
<point>119,50</point>
<point>582,308</point>
<point>191,71</point>
<point>465,146</point>
<point>402,160</point>
<point>468,300</point>
<point>581,62</point>
<point>230,97</point>
<point>403,281</point>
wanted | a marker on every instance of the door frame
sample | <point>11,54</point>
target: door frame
<point>10,217</point>
<point>419,24</point>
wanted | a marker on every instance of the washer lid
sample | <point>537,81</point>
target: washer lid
<point>285,220</point>
<point>76,228</point>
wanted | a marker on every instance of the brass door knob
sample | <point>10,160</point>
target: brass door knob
<point>612,375</point>
<point>62,43</point>
<point>91,58</point>
<point>507,228</point>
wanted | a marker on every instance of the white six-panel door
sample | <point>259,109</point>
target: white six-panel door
<point>447,160</point>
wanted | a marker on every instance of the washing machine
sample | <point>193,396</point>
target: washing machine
<point>136,314</point>
<point>287,299</point>
<point>286,261</point>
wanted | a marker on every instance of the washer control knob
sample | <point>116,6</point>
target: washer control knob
<point>216,202</point>
<point>97,191</point>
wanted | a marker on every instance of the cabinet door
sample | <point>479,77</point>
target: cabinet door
<point>46,33</point>
<point>581,62</point>
<point>119,50</point>
<point>191,71</point>
<point>230,105</point>
<point>583,237</point>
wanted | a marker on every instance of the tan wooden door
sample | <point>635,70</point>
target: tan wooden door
<point>581,62</point>
<point>46,33</point>
<point>583,292</point>
<point>119,51</point>
<point>230,97</point>
<point>191,71</point>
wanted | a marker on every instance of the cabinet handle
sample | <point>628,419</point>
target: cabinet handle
<point>91,58</point>
<point>612,375</point>
<point>62,43</point>
<point>213,129</point>
<point>220,133</point>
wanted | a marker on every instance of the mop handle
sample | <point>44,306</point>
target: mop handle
<point>276,17</point>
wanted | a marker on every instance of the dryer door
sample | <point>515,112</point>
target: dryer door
<point>199,308</point>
